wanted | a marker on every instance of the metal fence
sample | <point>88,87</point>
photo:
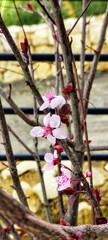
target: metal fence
<point>40,57</point>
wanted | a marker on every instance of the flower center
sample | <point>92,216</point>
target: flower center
<point>47,131</point>
<point>50,97</point>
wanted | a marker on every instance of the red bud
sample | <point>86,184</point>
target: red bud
<point>62,222</point>
<point>29,5</point>
<point>58,148</point>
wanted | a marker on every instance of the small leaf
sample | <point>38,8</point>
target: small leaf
<point>68,191</point>
<point>65,109</point>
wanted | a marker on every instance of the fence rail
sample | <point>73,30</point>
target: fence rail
<point>40,57</point>
<point>29,110</point>
<point>49,57</point>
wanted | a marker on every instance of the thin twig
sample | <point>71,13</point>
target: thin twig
<point>7,69</point>
<point>36,156</point>
<point>98,148</point>
<point>19,17</point>
<point>20,141</point>
<point>10,158</point>
<point>79,17</point>
<point>83,39</point>
<point>88,84</point>
<point>45,10</point>
<point>16,109</point>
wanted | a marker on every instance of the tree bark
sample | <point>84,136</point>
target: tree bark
<point>39,229</point>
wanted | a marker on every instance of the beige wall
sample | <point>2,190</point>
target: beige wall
<point>41,41</point>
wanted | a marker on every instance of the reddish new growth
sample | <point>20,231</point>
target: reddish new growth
<point>22,233</point>
<point>3,231</point>
<point>58,147</point>
<point>56,36</point>
<point>29,5</point>
<point>63,113</point>
<point>97,194</point>
<point>64,223</point>
<point>24,50</point>
<point>67,89</point>
<point>101,220</point>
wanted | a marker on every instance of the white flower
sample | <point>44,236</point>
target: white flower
<point>50,130</point>
<point>51,100</point>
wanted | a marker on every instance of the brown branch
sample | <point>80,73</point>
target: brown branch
<point>83,40</point>
<point>98,148</point>
<point>20,141</point>
<point>79,17</point>
<point>10,157</point>
<point>44,230</point>
<point>16,109</point>
<point>67,56</point>
<point>45,11</point>
<point>88,84</point>
<point>27,220</point>
<point>79,175</point>
<point>85,132</point>
<point>89,232</point>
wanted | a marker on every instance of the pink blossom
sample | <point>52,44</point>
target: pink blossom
<point>51,100</point>
<point>63,180</point>
<point>51,159</point>
<point>50,130</point>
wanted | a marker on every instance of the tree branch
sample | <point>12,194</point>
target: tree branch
<point>67,56</point>
<point>16,109</point>
<point>39,229</point>
<point>88,84</point>
<point>27,220</point>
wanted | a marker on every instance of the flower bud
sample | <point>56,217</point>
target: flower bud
<point>29,5</point>
<point>88,174</point>
<point>58,148</point>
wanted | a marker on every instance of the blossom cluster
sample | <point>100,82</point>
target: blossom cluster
<point>51,130</point>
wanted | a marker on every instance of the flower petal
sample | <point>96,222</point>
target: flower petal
<point>58,133</point>
<point>48,157</point>
<point>37,132</point>
<point>65,172</point>
<point>44,98</point>
<point>47,167</point>
<point>62,187</point>
<point>54,121</point>
<point>56,101</point>
<point>44,105</point>
<point>46,120</point>
<point>55,154</point>
<point>51,139</point>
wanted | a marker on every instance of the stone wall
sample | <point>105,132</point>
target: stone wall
<point>41,41</point>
